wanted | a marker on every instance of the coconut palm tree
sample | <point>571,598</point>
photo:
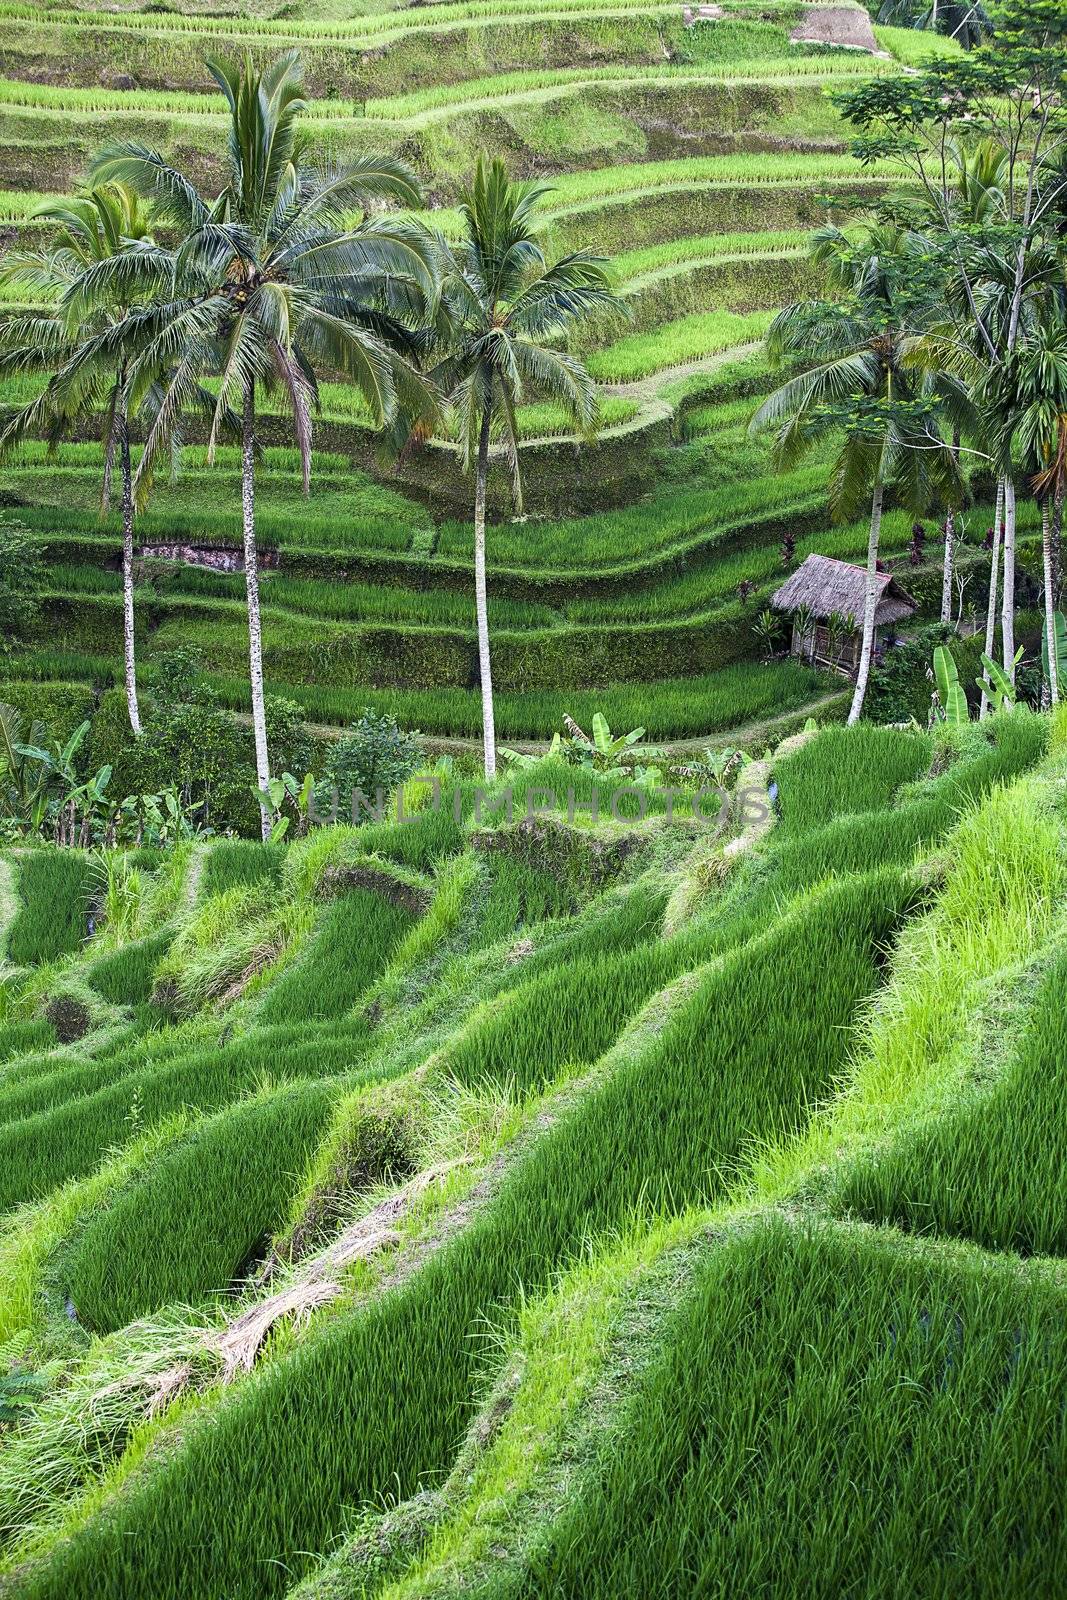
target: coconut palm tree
<point>858,389</point>
<point>504,313</point>
<point>93,228</point>
<point>271,283</point>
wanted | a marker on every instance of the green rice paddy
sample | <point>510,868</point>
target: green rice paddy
<point>556,1198</point>
<point>541,1065</point>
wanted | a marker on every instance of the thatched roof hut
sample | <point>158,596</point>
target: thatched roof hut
<point>825,587</point>
<point>827,600</point>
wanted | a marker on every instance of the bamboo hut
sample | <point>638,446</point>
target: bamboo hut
<point>825,599</point>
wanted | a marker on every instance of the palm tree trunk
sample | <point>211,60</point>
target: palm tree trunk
<point>1057,531</point>
<point>1052,683</point>
<point>1007,613</point>
<point>994,575</point>
<point>950,546</point>
<point>485,670</point>
<point>869,606</point>
<point>122,425</point>
<point>946,577</point>
<point>255,633</point>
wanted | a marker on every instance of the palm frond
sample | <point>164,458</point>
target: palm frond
<point>148,174</point>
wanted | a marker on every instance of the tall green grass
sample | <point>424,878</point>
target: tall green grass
<point>992,1165</point>
<point>382,1394</point>
<point>848,770</point>
<point>830,1413</point>
<point>234,863</point>
<point>856,842</point>
<point>69,1138</point>
<point>351,946</point>
<point>125,976</point>
<point>201,1216</point>
<point>55,892</point>
<point>691,338</point>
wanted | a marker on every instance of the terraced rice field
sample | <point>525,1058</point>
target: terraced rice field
<point>565,1208</point>
<point>695,157</point>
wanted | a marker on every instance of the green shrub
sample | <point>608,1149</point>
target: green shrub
<point>900,687</point>
<point>61,707</point>
<point>374,756</point>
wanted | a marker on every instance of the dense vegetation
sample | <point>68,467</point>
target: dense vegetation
<point>693,159</point>
<point>463,1143</point>
<point>638,1170</point>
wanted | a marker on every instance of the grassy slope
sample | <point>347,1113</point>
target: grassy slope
<point>709,236</point>
<point>562,1084</point>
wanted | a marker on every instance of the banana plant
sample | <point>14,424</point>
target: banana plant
<point>996,685</point>
<point>82,811</point>
<point>23,775</point>
<point>274,795</point>
<point>520,760</point>
<point>604,750</point>
<point>950,695</point>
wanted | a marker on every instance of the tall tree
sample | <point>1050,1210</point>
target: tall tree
<point>269,286</point>
<point>1007,95</point>
<point>858,389</point>
<point>62,339</point>
<point>504,312</point>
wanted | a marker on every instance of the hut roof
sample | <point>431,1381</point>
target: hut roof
<point>824,585</point>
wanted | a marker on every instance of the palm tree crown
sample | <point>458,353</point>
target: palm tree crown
<point>859,388</point>
<point>269,284</point>
<point>72,341</point>
<point>505,312</point>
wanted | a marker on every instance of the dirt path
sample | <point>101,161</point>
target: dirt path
<point>644,390</point>
<point>757,732</point>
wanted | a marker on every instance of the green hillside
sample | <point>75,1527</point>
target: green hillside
<point>637,1173</point>
<point>697,158</point>
<point>549,1208</point>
